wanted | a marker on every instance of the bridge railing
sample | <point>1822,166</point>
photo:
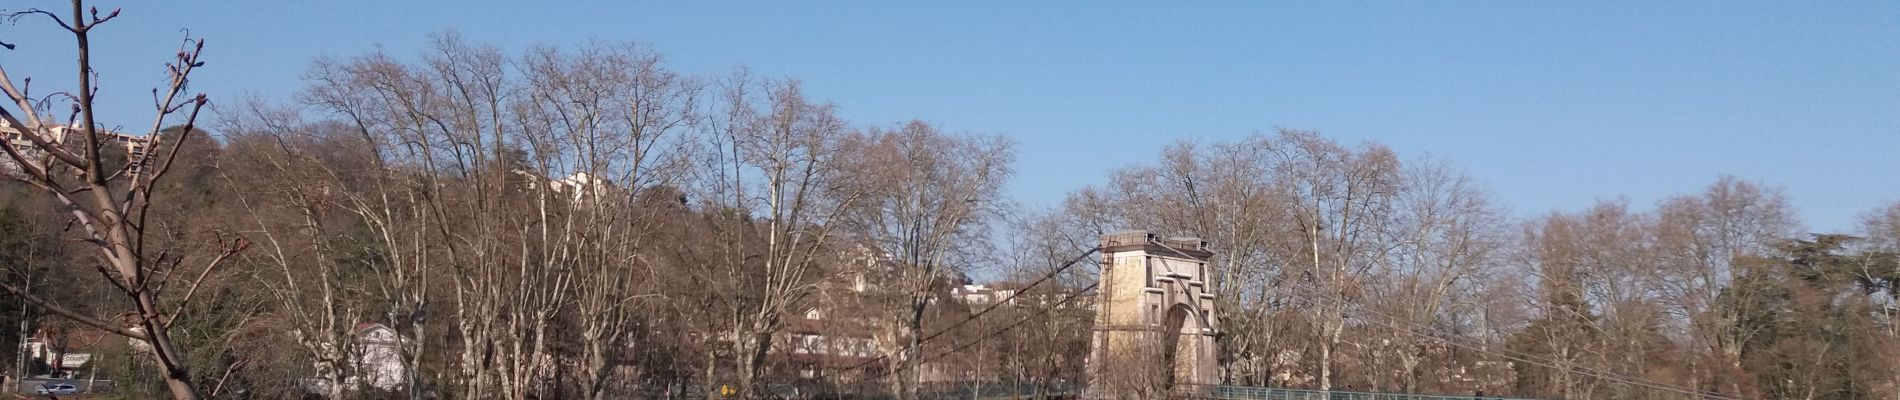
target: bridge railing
<point>1263,393</point>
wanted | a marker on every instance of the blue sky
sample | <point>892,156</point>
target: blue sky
<point>1552,106</point>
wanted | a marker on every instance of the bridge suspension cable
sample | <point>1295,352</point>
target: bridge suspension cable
<point>998,332</point>
<point>979,314</point>
<point>1397,324</point>
<point>1045,311</point>
<point>1514,355</point>
<point>1427,332</point>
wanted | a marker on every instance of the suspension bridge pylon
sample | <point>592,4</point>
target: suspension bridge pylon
<point>1155,324</point>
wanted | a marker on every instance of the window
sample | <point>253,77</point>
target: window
<point>1149,277</point>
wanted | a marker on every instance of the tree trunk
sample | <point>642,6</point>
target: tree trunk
<point>914,377</point>
<point>712,373</point>
<point>594,384</point>
<point>753,348</point>
<point>177,375</point>
<point>412,371</point>
<point>170,358</point>
<point>1326,348</point>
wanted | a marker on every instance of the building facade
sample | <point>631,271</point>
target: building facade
<point>136,147</point>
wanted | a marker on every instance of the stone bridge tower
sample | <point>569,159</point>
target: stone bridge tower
<point>1154,324</point>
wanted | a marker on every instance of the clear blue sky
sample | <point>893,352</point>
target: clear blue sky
<point>1553,106</point>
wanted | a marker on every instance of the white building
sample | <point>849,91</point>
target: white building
<point>69,354</point>
<point>136,147</point>
<point>378,356</point>
<point>981,295</point>
<point>577,186</point>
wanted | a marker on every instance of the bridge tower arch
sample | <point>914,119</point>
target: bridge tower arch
<point>1155,322</point>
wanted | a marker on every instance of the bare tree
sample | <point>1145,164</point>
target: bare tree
<point>1881,275</point>
<point>1447,235</point>
<point>774,177</point>
<point>386,191</point>
<point>1601,309</point>
<point>458,200</point>
<point>608,117</point>
<point>1700,237</point>
<point>288,186</point>
<point>111,205</point>
<point>1342,201</point>
<point>927,201</point>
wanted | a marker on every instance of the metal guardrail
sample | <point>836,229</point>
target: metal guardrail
<point>1262,393</point>
<point>996,390</point>
<point>877,390</point>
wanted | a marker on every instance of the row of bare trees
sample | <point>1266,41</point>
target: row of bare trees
<point>567,212</point>
<point>558,222</point>
<point>586,222</point>
<point>1349,269</point>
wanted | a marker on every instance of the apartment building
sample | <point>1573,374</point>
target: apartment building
<point>136,147</point>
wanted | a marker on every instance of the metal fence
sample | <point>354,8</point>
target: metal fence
<point>1261,393</point>
<point>934,391</point>
<point>1010,390</point>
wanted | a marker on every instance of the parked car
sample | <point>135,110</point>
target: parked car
<point>58,389</point>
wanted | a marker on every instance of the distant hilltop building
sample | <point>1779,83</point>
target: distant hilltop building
<point>577,186</point>
<point>136,147</point>
<point>1019,293</point>
<point>985,294</point>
